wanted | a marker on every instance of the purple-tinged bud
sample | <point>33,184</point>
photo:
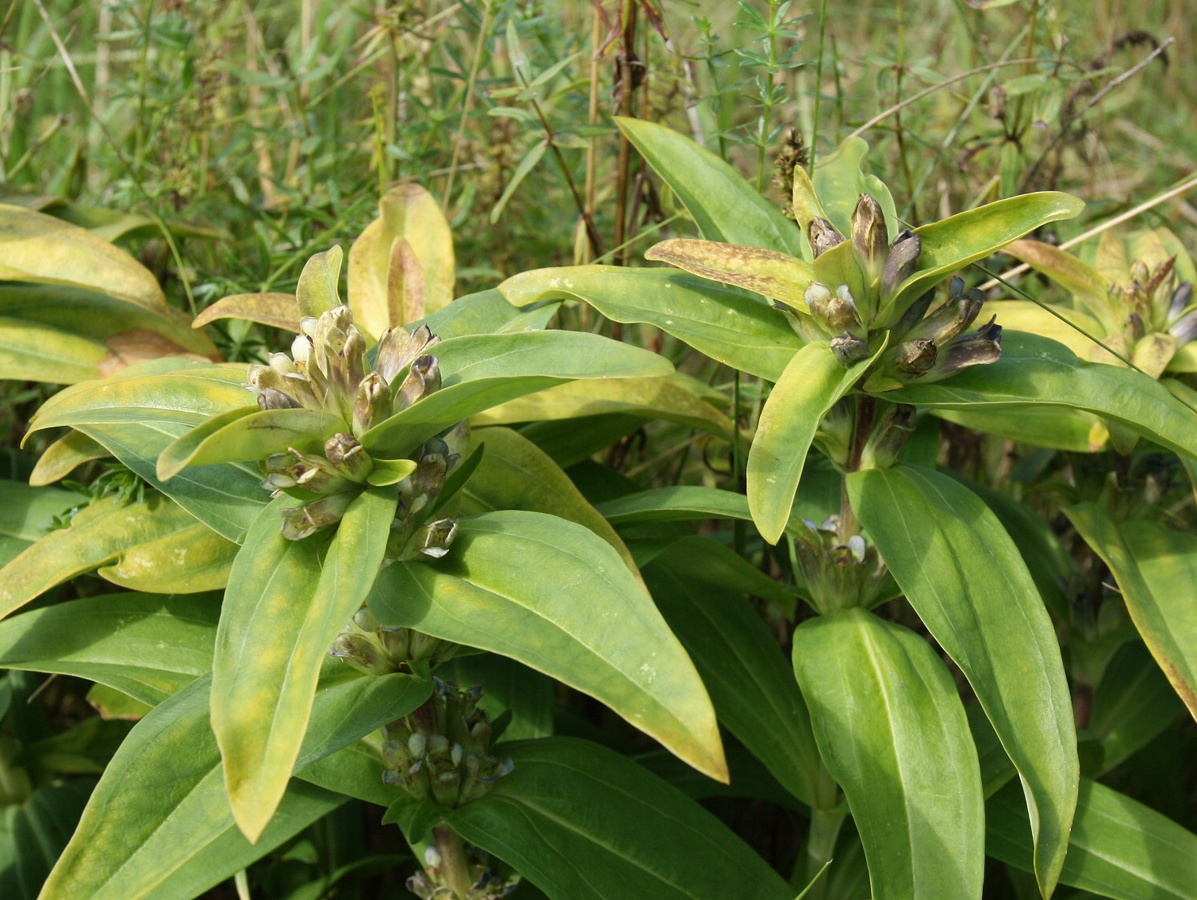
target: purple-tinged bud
<point>1181,298</point>
<point>822,235</point>
<point>372,403</point>
<point>848,349</point>
<point>902,260</point>
<point>304,521</point>
<point>914,358</point>
<point>978,348</point>
<point>870,236</point>
<point>422,379</point>
<point>348,457</point>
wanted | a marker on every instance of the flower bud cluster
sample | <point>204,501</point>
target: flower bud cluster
<point>443,750</point>
<point>327,372</point>
<point>923,345</point>
<point>1153,304</point>
<point>431,883</point>
<point>840,574</point>
<point>375,649</point>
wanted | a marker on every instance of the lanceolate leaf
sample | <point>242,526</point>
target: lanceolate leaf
<point>103,533</point>
<point>727,324</point>
<point>147,646</point>
<point>812,383</point>
<point>892,732</point>
<point>40,248</point>
<point>27,514</point>
<point>559,599</point>
<point>168,391</point>
<point>159,824</point>
<point>723,205</point>
<point>668,398</point>
<point>1119,848</point>
<point>226,498</point>
<point>65,455</point>
<point>964,577</point>
<point>751,686</point>
<point>480,371</point>
<point>318,289</point>
<point>272,309</point>
<point>954,242</point>
<point>248,434</point>
<point>583,822</point>
<point>516,474</point>
<point>1156,569</point>
<point>1132,705</point>
<point>774,275</point>
<point>282,611</point>
<point>1037,372</point>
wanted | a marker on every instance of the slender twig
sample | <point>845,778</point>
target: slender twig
<point>814,134</point>
<point>926,92</point>
<point>467,105</point>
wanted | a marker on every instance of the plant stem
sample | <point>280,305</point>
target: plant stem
<point>825,827</point>
<point>814,135</point>
<point>455,865</point>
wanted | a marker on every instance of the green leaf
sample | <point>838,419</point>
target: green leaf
<point>1155,568</point>
<point>774,275</point>
<point>249,434</point>
<point>812,383</point>
<point>751,685</point>
<point>583,822</point>
<point>892,732</point>
<point>480,371</point>
<point>556,597</point>
<point>966,580</point>
<point>952,243</point>
<point>1037,372</point>
<point>63,456</point>
<point>27,514</point>
<point>839,180</point>
<point>485,312</point>
<point>159,822</point>
<point>1088,286</point>
<point>727,324</point>
<point>146,646</point>
<point>516,474</point>
<point>282,612</point>
<point>109,531</point>
<point>525,166</point>
<point>723,205</point>
<point>168,391</point>
<point>226,498</point>
<point>318,290</point>
<point>668,398</point>
<point>1119,848</point>
<point>1055,427</point>
<point>40,248</point>
<point>1132,705</point>
<point>33,834</point>
<point>1024,315</point>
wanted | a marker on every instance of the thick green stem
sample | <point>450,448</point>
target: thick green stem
<point>825,827</point>
<point>455,865</point>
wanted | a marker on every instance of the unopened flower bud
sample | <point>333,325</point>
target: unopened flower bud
<point>901,262</point>
<point>348,457</point>
<point>849,349</point>
<point>372,403</point>
<point>915,357</point>
<point>304,521</point>
<point>822,235</point>
<point>869,234</point>
<point>422,379</point>
<point>362,653</point>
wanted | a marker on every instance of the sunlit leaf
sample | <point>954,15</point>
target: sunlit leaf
<point>502,588</point>
<point>966,580</point>
<point>893,734</point>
